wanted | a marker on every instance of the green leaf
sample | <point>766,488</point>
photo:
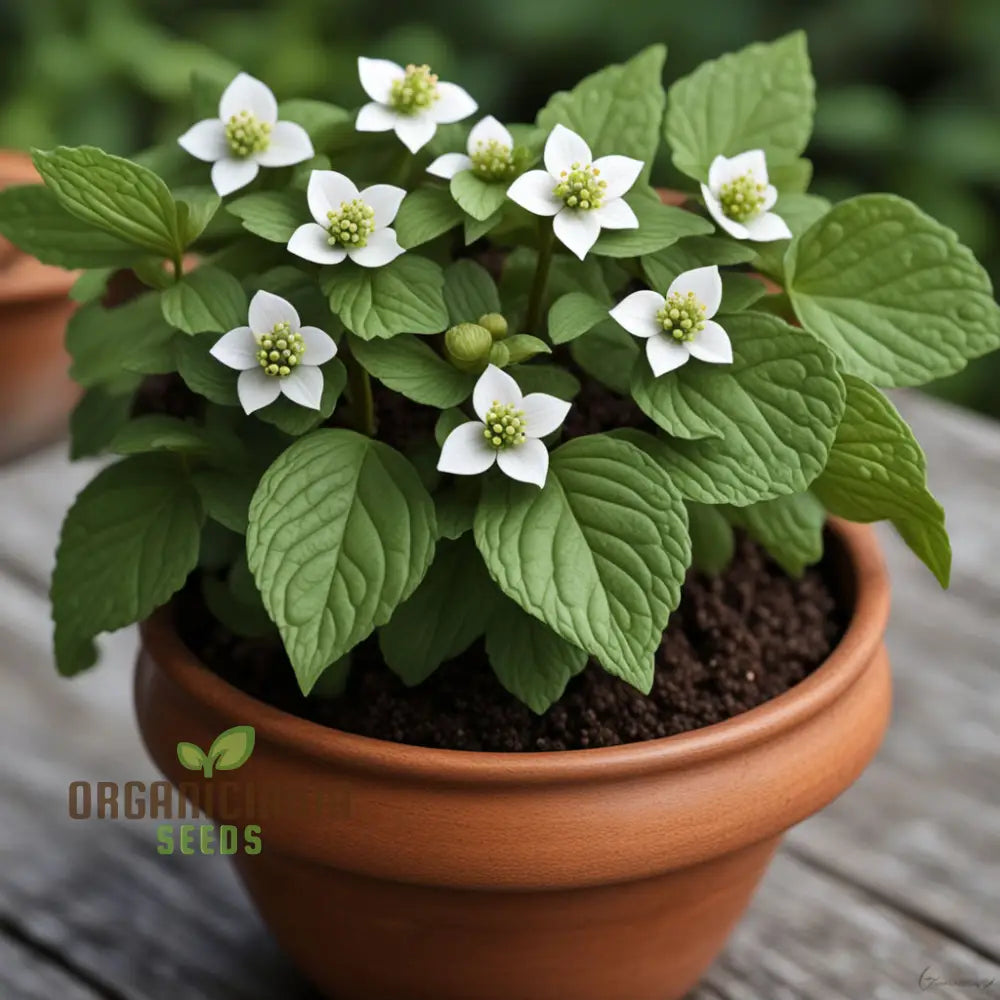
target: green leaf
<point>127,545</point>
<point>191,756</point>
<point>444,615</point>
<point>409,366</point>
<point>92,284</point>
<point>456,511</point>
<point>712,541</point>
<point>469,292</point>
<point>892,292</point>
<point>615,554</point>
<point>529,659</point>
<point>115,195</point>
<point>297,420</point>
<point>552,379</point>
<point>476,229</point>
<point>573,314</point>
<point>663,266</point>
<point>659,226</point>
<point>877,471</point>
<point>617,110</point>
<point>32,218</point>
<point>226,495</point>
<point>740,291</point>
<point>98,416</point>
<point>232,749</point>
<point>321,120</point>
<point>608,353</point>
<point>405,296</point>
<point>272,215</point>
<point>205,301</point>
<point>761,97</point>
<point>775,411</point>
<point>799,211</point>
<point>522,346</point>
<point>196,209</point>
<point>341,533</point>
<point>201,372</point>
<point>480,199</point>
<point>424,215</point>
<point>789,528</point>
<point>161,432</point>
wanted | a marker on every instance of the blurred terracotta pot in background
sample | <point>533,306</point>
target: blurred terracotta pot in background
<point>36,394</point>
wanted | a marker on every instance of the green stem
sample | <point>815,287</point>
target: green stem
<point>362,403</point>
<point>546,245</point>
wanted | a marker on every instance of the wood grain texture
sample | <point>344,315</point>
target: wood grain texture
<point>898,875</point>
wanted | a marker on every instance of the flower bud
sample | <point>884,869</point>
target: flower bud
<point>495,323</point>
<point>499,355</point>
<point>468,347</point>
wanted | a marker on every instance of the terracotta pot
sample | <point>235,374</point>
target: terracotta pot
<point>607,874</point>
<point>36,394</point>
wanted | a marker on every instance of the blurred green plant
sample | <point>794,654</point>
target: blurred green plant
<point>908,89</point>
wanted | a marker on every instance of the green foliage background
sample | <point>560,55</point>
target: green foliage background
<point>909,90</point>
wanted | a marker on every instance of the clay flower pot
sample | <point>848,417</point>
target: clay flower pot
<point>36,394</point>
<point>606,874</point>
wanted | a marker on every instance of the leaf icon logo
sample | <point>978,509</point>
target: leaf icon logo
<point>229,750</point>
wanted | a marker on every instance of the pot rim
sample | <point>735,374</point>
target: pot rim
<point>870,594</point>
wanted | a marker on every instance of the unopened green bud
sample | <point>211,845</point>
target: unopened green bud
<point>495,323</point>
<point>468,347</point>
<point>500,355</point>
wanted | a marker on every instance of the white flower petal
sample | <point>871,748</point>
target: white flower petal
<point>376,117</point>
<point>449,164</point>
<point>453,104</point>
<point>256,390</point>
<point>385,199</point>
<point>304,386</point>
<point>752,160</point>
<point>267,310</point>
<point>327,189</point>
<point>206,140</point>
<point>577,230</point>
<point>382,248</point>
<point>616,214</point>
<point>377,77</point>
<point>711,344</point>
<point>495,386</point>
<point>320,347</point>
<point>543,413</point>
<point>415,131</point>
<point>534,191</point>
<point>563,148</point>
<point>619,173</point>
<point>706,284</point>
<point>310,243</point>
<point>637,313</point>
<point>770,197</point>
<point>665,354</point>
<point>527,463</point>
<point>290,143</point>
<point>768,227</point>
<point>237,349</point>
<point>714,206</point>
<point>489,130</point>
<point>230,174</point>
<point>465,451</point>
<point>247,93</point>
<point>719,173</point>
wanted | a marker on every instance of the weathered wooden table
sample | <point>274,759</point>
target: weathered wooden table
<point>892,892</point>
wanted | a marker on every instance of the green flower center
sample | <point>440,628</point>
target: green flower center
<point>351,224</point>
<point>246,135</point>
<point>504,425</point>
<point>742,198</point>
<point>280,350</point>
<point>417,91</point>
<point>681,317</point>
<point>493,161</point>
<point>581,187</point>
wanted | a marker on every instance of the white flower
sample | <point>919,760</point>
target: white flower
<point>490,154</point>
<point>584,195</point>
<point>412,101</point>
<point>679,325</point>
<point>349,222</point>
<point>739,198</point>
<point>507,432</point>
<point>275,354</point>
<point>246,136</point>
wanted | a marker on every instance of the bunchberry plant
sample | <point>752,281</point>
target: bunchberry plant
<point>370,392</point>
